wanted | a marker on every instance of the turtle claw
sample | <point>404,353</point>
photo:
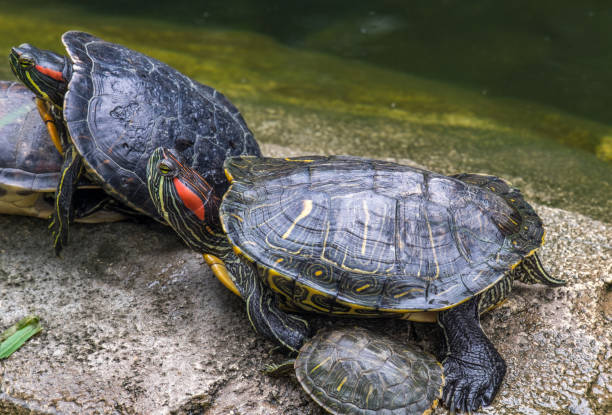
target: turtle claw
<point>460,401</point>
<point>279,369</point>
<point>471,385</point>
<point>277,349</point>
<point>449,391</point>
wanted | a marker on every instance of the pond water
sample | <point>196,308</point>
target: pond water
<point>520,90</point>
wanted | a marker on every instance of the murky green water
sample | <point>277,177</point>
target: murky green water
<point>521,90</point>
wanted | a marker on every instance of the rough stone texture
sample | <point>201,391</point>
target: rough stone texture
<point>135,323</point>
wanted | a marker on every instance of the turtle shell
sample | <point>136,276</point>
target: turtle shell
<point>354,371</point>
<point>28,161</point>
<point>346,235</point>
<point>121,105</point>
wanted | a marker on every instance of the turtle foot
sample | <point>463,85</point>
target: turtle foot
<point>472,382</point>
<point>277,370</point>
<point>473,369</point>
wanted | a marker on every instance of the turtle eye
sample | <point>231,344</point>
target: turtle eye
<point>165,168</point>
<point>26,61</point>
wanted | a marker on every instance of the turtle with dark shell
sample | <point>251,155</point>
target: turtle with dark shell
<point>118,105</point>
<point>30,164</point>
<point>361,238</point>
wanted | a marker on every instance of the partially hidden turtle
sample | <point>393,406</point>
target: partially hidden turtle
<point>362,238</point>
<point>118,105</point>
<point>30,165</point>
<point>356,371</point>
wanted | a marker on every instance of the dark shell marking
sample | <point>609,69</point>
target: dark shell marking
<point>356,236</point>
<point>28,161</point>
<point>121,105</point>
<point>354,371</point>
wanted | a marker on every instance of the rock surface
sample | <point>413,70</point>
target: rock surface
<point>135,323</point>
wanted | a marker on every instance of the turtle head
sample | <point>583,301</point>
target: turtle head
<point>44,72</point>
<point>185,200</point>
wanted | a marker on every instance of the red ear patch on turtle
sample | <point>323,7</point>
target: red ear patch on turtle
<point>57,75</point>
<point>190,199</point>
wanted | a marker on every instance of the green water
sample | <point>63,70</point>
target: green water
<point>519,91</point>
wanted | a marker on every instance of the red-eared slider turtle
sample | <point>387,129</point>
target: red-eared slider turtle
<point>355,371</point>
<point>30,165</point>
<point>362,238</point>
<point>118,105</point>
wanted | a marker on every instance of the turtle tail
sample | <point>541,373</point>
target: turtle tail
<point>531,271</point>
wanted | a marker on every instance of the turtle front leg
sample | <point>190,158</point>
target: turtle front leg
<point>289,330</point>
<point>473,368</point>
<point>63,213</point>
<point>268,319</point>
<point>45,114</point>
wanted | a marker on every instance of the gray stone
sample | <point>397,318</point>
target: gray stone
<point>135,323</point>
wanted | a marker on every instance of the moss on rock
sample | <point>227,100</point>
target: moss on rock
<point>315,101</point>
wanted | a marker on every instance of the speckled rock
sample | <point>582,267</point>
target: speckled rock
<point>135,323</point>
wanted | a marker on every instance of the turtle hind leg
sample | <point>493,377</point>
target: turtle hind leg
<point>63,213</point>
<point>531,271</point>
<point>473,369</point>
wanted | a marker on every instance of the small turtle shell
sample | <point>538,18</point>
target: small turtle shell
<point>121,105</point>
<point>354,371</point>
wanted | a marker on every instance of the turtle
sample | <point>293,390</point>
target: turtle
<point>348,236</point>
<point>30,164</point>
<point>356,371</point>
<point>117,106</point>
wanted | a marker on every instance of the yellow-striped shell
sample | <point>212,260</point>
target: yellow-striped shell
<point>354,371</point>
<point>346,235</point>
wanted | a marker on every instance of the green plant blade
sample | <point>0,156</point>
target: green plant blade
<point>26,321</point>
<point>15,336</point>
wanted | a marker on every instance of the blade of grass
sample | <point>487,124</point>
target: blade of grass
<point>15,336</point>
<point>26,321</point>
